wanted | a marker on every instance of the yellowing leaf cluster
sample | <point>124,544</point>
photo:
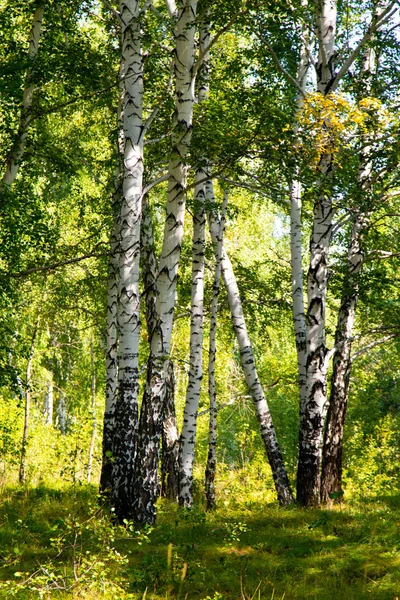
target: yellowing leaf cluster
<point>327,123</point>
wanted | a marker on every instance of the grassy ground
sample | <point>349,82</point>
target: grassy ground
<point>57,543</point>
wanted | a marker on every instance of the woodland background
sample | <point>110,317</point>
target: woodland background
<point>56,218</point>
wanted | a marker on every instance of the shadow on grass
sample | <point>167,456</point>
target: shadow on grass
<point>351,552</point>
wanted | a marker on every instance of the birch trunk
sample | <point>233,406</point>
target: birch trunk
<point>268,434</point>
<point>146,468</point>
<point>62,413</point>
<point>170,437</point>
<point>313,416</point>
<point>126,410</point>
<point>188,435</point>
<point>28,396</point>
<point>331,476</point>
<point>15,157</point>
<point>211,466</point>
<point>48,404</point>
<point>296,252</point>
<point>112,308</point>
<point>93,413</point>
<point>170,442</point>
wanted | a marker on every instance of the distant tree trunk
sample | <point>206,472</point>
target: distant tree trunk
<point>126,409</point>
<point>211,466</point>
<point>14,158</point>
<point>313,416</point>
<point>93,414</point>
<point>48,403</point>
<point>146,469</point>
<point>331,476</point>
<point>268,434</point>
<point>28,395</point>
<point>62,413</point>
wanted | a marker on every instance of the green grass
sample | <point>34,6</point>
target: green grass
<point>62,545</point>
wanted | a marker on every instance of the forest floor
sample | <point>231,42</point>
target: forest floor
<point>59,543</point>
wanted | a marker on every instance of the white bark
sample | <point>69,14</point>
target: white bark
<point>188,435</point>
<point>331,476</point>
<point>48,403</point>
<point>268,434</point>
<point>62,413</point>
<point>212,390</point>
<point>112,305</point>
<point>313,415</point>
<point>126,411</point>
<point>296,251</point>
<point>14,159</point>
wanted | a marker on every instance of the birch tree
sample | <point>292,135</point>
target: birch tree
<point>331,475</point>
<point>268,433</point>
<point>212,389</point>
<point>15,156</point>
<point>188,435</point>
<point>126,409</point>
<point>146,469</point>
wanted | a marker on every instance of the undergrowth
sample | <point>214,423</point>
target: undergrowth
<point>62,543</point>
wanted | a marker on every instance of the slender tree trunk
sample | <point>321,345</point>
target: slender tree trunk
<point>188,435</point>
<point>211,466</point>
<point>93,413</point>
<point>146,468</point>
<point>28,395</point>
<point>126,410</point>
<point>13,160</point>
<point>299,320</point>
<point>268,434</point>
<point>313,416</point>
<point>331,476</point>
<point>112,307</point>
<point>48,404</point>
<point>62,413</point>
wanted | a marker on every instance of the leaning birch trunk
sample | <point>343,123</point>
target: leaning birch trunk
<point>268,434</point>
<point>188,434</point>
<point>313,416</point>
<point>14,159</point>
<point>331,476</point>
<point>28,396</point>
<point>126,409</point>
<point>211,466</point>
<point>296,253</point>
<point>146,468</point>
<point>112,307</point>
<point>93,415</point>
